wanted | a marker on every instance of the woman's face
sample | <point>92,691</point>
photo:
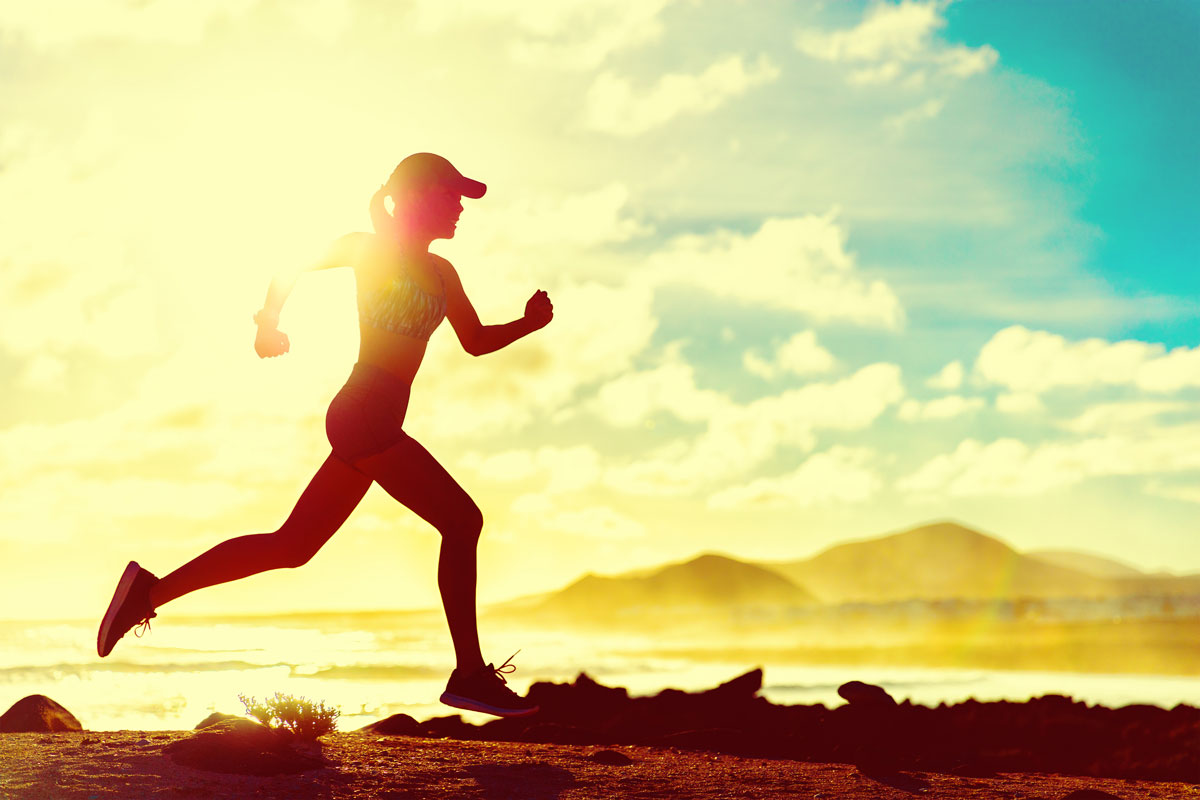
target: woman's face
<point>434,213</point>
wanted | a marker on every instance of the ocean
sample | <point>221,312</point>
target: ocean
<point>372,665</point>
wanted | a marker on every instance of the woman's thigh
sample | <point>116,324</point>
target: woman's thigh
<point>408,472</point>
<point>332,494</point>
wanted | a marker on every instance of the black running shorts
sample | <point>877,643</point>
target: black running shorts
<point>367,414</point>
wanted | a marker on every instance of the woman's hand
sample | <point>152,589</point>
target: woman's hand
<point>270,341</point>
<point>539,310</point>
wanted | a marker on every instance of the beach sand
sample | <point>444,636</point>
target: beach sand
<point>92,765</point>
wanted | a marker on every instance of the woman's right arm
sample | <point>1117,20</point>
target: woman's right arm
<point>346,251</point>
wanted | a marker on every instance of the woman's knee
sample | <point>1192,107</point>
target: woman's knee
<point>291,551</point>
<point>465,523</point>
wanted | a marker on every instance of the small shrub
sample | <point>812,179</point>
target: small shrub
<point>297,715</point>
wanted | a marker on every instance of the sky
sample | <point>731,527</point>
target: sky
<point>820,271</point>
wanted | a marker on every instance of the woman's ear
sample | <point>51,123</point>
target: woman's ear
<point>381,217</point>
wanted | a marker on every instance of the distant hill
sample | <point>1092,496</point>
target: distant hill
<point>938,561</point>
<point>1094,565</point>
<point>709,581</point>
<point>946,559</point>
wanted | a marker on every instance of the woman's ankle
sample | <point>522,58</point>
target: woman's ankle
<point>155,597</point>
<point>470,666</point>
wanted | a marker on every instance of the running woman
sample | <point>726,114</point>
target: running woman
<point>403,292</point>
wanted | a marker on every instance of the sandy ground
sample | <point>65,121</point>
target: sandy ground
<point>93,765</point>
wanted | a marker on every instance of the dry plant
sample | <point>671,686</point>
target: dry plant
<point>297,715</point>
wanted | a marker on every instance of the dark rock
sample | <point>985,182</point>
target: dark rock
<point>242,747</point>
<point>743,687</point>
<point>214,718</point>
<point>611,758</point>
<point>584,702</point>
<point>451,727</point>
<point>38,713</point>
<point>395,725</point>
<point>1090,794</point>
<point>1049,734</point>
<point>867,695</point>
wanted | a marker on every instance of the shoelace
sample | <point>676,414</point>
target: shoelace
<point>145,626</point>
<point>511,668</point>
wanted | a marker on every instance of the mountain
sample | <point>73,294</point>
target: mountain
<point>1094,565</point>
<point>946,559</point>
<point>941,560</point>
<point>709,581</point>
<point>938,561</point>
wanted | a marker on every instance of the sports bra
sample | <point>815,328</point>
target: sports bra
<point>400,305</point>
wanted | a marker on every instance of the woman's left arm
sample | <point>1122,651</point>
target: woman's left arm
<point>477,338</point>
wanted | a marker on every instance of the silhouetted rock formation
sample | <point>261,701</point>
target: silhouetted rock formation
<point>865,695</point>
<point>1045,734</point>
<point>214,718</point>
<point>38,713</point>
<point>395,724</point>
<point>242,747</point>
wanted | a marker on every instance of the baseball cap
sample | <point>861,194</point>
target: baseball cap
<point>426,169</point>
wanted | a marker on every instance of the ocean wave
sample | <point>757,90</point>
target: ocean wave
<point>56,671</point>
<point>373,672</point>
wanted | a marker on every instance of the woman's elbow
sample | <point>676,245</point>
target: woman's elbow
<point>472,346</point>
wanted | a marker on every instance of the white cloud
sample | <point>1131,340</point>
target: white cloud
<point>1188,493</point>
<point>739,437</point>
<point>882,73</point>
<point>1123,416</point>
<point>634,397</point>
<point>893,38</point>
<point>1032,361</point>
<point>560,34</point>
<point>582,220</point>
<point>949,378</point>
<point>1019,403</point>
<point>64,22</point>
<point>963,62</point>
<point>939,408</point>
<point>539,375</point>
<point>795,264</point>
<point>839,475</point>
<point>1012,467</point>
<point>564,469</point>
<point>600,29</point>
<point>897,123</point>
<point>799,355</point>
<point>901,31</point>
<point>67,505</point>
<point>614,106</point>
<point>595,522</point>
<point>42,372</point>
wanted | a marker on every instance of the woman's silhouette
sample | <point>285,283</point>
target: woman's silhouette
<point>403,291</point>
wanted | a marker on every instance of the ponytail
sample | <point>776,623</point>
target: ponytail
<point>380,218</point>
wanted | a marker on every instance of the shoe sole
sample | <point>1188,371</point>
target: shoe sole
<point>467,704</point>
<point>110,616</point>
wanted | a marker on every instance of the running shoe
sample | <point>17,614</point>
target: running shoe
<point>485,690</point>
<point>130,606</point>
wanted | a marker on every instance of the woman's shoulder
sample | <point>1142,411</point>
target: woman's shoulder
<point>443,264</point>
<point>361,250</point>
<point>444,268</point>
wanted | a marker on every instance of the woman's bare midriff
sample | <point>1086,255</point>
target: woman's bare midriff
<point>394,352</point>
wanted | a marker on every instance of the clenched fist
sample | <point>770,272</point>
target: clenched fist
<point>539,310</point>
<point>270,342</point>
